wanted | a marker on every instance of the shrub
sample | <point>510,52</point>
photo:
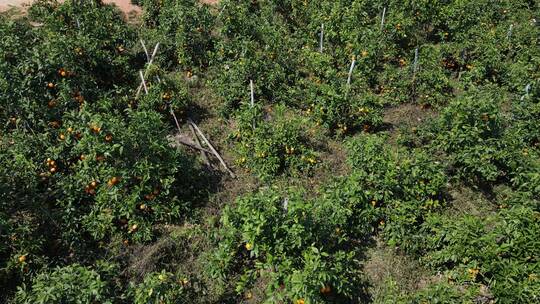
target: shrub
<point>271,142</point>
<point>469,132</point>
<point>70,284</point>
<point>82,164</point>
<point>162,287</point>
<point>295,246</point>
<point>183,29</point>
<point>500,252</point>
<point>407,186</point>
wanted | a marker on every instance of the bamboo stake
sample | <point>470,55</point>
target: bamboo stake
<point>286,204</point>
<point>527,90</point>
<point>353,63</point>
<point>222,9</point>
<point>211,148</point>
<point>143,82</point>
<point>145,51</point>
<point>510,29</point>
<point>383,17</point>
<point>415,64</point>
<point>147,69</point>
<point>415,67</point>
<point>321,38</point>
<point>252,93</point>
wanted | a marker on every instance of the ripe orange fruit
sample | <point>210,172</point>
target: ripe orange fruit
<point>108,138</point>
<point>22,258</point>
<point>70,129</point>
<point>166,96</point>
<point>53,169</point>
<point>62,136</point>
<point>133,228</point>
<point>113,181</point>
<point>50,85</point>
<point>95,128</point>
<point>300,301</point>
<point>143,206</point>
<point>402,62</point>
<point>93,184</point>
<point>78,97</point>
<point>326,289</point>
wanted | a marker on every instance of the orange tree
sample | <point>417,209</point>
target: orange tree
<point>302,249</point>
<point>81,163</point>
<point>183,29</point>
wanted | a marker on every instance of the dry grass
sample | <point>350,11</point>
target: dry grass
<point>384,265</point>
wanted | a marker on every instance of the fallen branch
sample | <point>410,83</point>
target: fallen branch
<point>211,148</point>
<point>190,145</point>
<point>198,143</point>
<point>194,146</point>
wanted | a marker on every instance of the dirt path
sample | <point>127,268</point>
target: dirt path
<point>124,5</point>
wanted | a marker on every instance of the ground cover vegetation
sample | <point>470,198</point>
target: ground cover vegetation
<point>307,103</point>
